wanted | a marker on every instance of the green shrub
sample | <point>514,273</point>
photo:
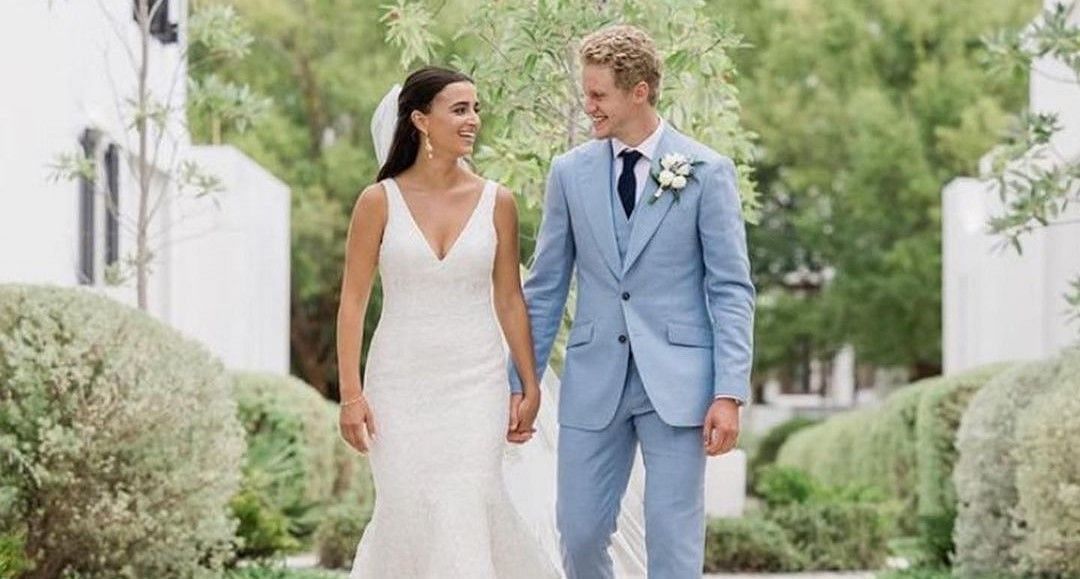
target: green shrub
<point>267,572</point>
<point>985,532</point>
<point>1048,475</point>
<point>12,558</point>
<point>835,535</point>
<point>940,573</point>
<point>748,544</point>
<point>120,446</point>
<point>263,530</point>
<point>941,408</point>
<point>891,454</point>
<point>779,485</point>
<point>814,449</point>
<point>297,465</point>
<point>918,573</point>
<point>339,534</point>
<point>768,446</point>
<point>872,448</point>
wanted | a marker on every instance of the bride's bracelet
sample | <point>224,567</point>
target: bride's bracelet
<point>358,398</point>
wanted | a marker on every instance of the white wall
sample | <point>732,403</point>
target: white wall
<point>998,305</point>
<point>63,69</point>
<point>230,283</point>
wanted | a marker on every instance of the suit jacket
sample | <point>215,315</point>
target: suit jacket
<point>681,298</point>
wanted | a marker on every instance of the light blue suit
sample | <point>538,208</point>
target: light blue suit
<point>663,325</point>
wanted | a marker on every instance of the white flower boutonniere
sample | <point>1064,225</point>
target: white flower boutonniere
<point>673,175</point>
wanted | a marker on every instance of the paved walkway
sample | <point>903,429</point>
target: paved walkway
<point>859,575</point>
<point>308,562</point>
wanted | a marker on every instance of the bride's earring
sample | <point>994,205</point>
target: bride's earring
<point>428,147</point>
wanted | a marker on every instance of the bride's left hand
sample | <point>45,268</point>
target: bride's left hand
<point>523,411</point>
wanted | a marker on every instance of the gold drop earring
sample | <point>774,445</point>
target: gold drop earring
<point>428,147</point>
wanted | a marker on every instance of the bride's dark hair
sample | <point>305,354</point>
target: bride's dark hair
<point>417,93</point>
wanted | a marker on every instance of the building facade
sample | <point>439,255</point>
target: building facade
<point>220,266</point>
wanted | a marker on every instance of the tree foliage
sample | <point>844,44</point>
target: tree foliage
<point>865,110</point>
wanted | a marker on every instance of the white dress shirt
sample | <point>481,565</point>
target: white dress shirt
<point>647,148</point>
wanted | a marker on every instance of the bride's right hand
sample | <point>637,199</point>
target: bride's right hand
<point>357,424</point>
<point>523,411</point>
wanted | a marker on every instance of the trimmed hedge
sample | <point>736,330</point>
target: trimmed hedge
<point>866,448</point>
<point>1048,475</point>
<point>768,447</point>
<point>805,526</point>
<point>749,544</point>
<point>986,530</point>
<point>835,535</point>
<point>905,448</point>
<point>941,408</point>
<point>120,446</point>
<point>298,466</point>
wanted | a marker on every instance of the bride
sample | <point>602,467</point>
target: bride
<point>435,411</point>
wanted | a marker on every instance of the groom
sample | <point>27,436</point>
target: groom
<point>660,350</point>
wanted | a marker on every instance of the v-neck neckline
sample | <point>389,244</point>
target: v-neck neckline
<point>420,231</point>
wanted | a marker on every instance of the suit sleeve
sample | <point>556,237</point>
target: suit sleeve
<point>548,283</point>
<point>728,287</point>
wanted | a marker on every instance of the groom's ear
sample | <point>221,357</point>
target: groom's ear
<point>640,92</point>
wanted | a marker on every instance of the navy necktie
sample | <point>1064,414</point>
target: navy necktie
<point>627,180</point>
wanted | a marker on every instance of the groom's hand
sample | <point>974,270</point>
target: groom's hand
<point>512,433</point>
<point>721,430</point>
<point>522,414</point>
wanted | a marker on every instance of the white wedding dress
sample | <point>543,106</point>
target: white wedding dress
<point>437,385</point>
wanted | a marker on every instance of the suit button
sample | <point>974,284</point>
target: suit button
<point>625,296</point>
<point>622,339</point>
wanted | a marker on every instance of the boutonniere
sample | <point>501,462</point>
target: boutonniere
<point>673,174</point>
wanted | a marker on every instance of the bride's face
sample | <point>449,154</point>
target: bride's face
<point>607,105</point>
<point>453,122</point>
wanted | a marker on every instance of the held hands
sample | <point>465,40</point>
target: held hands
<point>523,411</point>
<point>721,430</point>
<point>357,423</point>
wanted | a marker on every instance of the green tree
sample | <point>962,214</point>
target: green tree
<point>324,64</point>
<point>523,55</point>
<point>865,110</point>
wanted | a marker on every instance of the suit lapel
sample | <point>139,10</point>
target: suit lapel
<point>596,198</point>
<point>648,216</point>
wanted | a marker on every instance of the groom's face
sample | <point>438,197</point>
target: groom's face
<point>607,105</point>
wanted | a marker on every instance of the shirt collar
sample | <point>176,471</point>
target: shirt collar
<point>647,147</point>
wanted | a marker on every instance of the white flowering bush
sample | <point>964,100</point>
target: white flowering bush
<point>119,440</point>
<point>986,530</point>
<point>1048,476</point>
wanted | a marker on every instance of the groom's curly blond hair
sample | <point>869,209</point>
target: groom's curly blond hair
<point>630,53</point>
